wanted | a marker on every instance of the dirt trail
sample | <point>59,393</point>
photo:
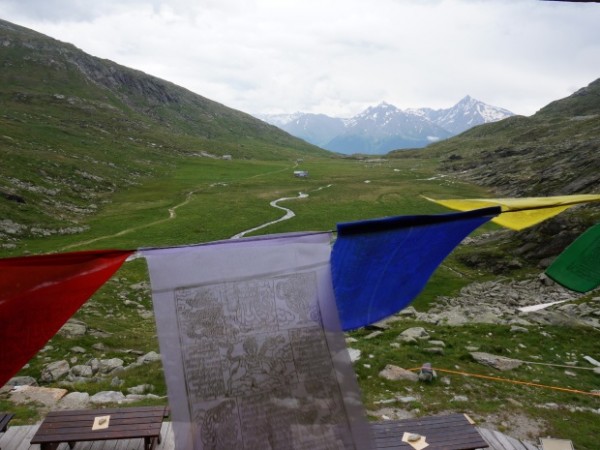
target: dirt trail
<point>288,215</point>
<point>172,215</point>
<point>288,212</point>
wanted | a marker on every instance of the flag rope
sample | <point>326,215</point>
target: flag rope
<point>505,380</point>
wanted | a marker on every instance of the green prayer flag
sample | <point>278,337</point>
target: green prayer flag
<point>578,266</point>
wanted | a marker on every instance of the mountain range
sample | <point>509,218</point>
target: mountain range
<point>382,128</point>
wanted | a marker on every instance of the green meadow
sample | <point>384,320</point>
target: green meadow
<point>214,199</point>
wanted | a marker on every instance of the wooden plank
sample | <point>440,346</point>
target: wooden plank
<point>18,437</point>
<point>500,441</point>
<point>129,410</point>
<point>168,438</point>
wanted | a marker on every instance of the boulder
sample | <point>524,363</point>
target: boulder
<point>145,314</point>
<point>54,371</point>
<point>518,329</point>
<point>497,362</point>
<point>94,363</point>
<point>408,399</point>
<point>140,389</point>
<point>21,381</point>
<point>149,357</point>
<point>108,365</point>
<point>374,334</point>
<point>354,354</point>
<point>411,335</point>
<point>73,328</point>
<point>395,373</point>
<point>434,350</point>
<point>104,397</point>
<point>74,400</point>
<point>409,311</point>
<point>81,371</point>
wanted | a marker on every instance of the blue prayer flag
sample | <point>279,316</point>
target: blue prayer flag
<point>379,266</point>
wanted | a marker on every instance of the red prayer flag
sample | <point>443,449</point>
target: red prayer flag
<point>38,294</point>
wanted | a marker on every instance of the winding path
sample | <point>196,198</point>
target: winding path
<point>288,212</point>
<point>288,215</point>
<point>172,215</point>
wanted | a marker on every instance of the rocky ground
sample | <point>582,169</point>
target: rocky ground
<point>497,302</point>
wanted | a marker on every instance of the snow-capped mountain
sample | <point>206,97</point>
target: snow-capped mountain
<point>466,114</point>
<point>382,128</point>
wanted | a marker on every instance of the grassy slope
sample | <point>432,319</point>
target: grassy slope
<point>74,129</point>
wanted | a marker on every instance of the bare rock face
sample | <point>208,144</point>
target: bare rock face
<point>497,362</point>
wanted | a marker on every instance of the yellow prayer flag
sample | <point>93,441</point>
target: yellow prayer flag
<point>520,213</point>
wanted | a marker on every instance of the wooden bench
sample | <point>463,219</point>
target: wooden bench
<point>124,423</point>
<point>451,432</point>
<point>4,419</point>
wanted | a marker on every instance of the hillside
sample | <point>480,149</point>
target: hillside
<point>553,152</point>
<point>74,129</point>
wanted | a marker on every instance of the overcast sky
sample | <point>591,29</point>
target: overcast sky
<point>338,57</point>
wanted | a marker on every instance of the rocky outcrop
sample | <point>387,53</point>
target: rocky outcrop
<point>498,302</point>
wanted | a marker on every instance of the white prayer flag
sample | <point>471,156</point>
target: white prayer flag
<point>252,349</point>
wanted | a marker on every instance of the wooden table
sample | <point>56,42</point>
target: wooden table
<point>451,432</point>
<point>124,423</point>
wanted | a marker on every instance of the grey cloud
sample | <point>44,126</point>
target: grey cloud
<point>66,10</point>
